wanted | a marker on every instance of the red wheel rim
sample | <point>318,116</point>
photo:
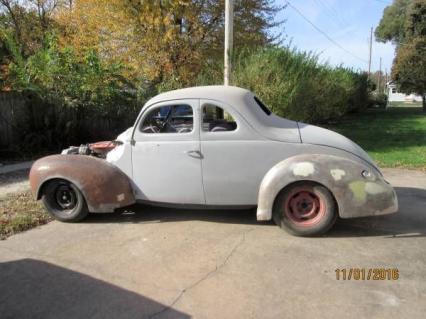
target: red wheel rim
<point>304,207</point>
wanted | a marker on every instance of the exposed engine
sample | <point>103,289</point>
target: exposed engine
<point>98,149</point>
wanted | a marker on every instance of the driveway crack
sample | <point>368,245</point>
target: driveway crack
<point>205,277</point>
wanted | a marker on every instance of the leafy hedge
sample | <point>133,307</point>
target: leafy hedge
<point>79,98</point>
<point>70,98</point>
<point>295,85</point>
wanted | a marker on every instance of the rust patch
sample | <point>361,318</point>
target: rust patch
<point>104,186</point>
<point>356,196</point>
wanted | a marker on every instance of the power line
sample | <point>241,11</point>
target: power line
<point>333,19</point>
<point>335,14</point>
<point>385,2</point>
<point>324,34</point>
<point>339,17</point>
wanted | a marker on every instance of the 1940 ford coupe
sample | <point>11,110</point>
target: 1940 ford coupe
<point>218,147</point>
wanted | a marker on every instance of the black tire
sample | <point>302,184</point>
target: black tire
<point>64,201</point>
<point>305,209</point>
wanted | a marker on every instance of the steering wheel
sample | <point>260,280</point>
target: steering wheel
<point>184,130</point>
<point>151,129</point>
<point>163,126</point>
<point>219,129</point>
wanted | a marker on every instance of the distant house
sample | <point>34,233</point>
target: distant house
<point>395,96</point>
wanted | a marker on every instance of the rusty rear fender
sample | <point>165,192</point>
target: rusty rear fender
<point>356,196</point>
<point>104,186</point>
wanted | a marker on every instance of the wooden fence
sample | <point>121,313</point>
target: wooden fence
<point>12,107</point>
<point>22,113</point>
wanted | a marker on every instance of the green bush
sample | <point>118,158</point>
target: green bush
<point>73,98</point>
<point>77,98</point>
<point>294,84</point>
<point>379,100</point>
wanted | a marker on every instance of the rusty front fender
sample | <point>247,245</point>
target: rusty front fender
<point>104,186</point>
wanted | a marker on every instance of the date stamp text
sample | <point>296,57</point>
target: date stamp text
<point>367,273</point>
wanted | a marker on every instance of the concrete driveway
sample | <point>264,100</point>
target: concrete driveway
<point>168,263</point>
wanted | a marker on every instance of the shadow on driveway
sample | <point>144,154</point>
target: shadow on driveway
<point>410,221</point>
<point>36,289</point>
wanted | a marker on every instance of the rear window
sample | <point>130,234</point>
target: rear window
<point>262,106</point>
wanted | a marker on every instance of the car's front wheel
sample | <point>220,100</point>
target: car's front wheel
<point>305,209</point>
<point>64,201</point>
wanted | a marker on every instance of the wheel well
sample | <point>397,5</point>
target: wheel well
<point>307,182</point>
<point>46,182</point>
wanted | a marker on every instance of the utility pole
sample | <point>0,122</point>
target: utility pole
<point>386,81</point>
<point>380,75</point>
<point>229,26</point>
<point>371,47</point>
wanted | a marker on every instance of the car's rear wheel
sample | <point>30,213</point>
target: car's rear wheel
<point>305,209</point>
<point>64,201</point>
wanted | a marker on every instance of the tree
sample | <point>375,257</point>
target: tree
<point>162,39</point>
<point>409,68</point>
<point>3,64</point>
<point>154,40</point>
<point>67,89</point>
<point>392,26</point>
<point>29,20</point>
<point>404,23</point>
<point>416,19</point>
<point>22,25</point>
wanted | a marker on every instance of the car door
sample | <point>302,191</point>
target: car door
<point>234,160</point>
<point>166,155</point>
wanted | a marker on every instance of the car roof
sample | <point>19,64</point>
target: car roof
<point>268,125</point>
<point>228,94</point>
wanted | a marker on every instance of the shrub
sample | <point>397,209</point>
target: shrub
<point>72,99</point>
<point>378,100</point>
<point>77,98</point>
<point>294,84</point>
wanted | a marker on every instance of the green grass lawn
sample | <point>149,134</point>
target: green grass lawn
<point>395,137</point>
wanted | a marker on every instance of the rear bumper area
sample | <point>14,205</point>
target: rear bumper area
<point>371,199</point>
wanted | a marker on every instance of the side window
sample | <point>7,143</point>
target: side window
<point>169,119</point>
<point>216,119</point>
<point>262,106</point>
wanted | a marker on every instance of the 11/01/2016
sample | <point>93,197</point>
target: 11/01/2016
<point>367,274</point>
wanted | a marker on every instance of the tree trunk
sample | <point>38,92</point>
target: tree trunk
<point>424,101</point>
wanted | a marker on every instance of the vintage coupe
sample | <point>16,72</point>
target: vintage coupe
<point>218,147</point>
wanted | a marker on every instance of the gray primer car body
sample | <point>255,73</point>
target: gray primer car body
<point>248,166</point>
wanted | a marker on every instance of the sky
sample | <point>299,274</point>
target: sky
<point>347,22</point>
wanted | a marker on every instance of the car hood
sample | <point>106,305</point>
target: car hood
<point>311,134</point>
